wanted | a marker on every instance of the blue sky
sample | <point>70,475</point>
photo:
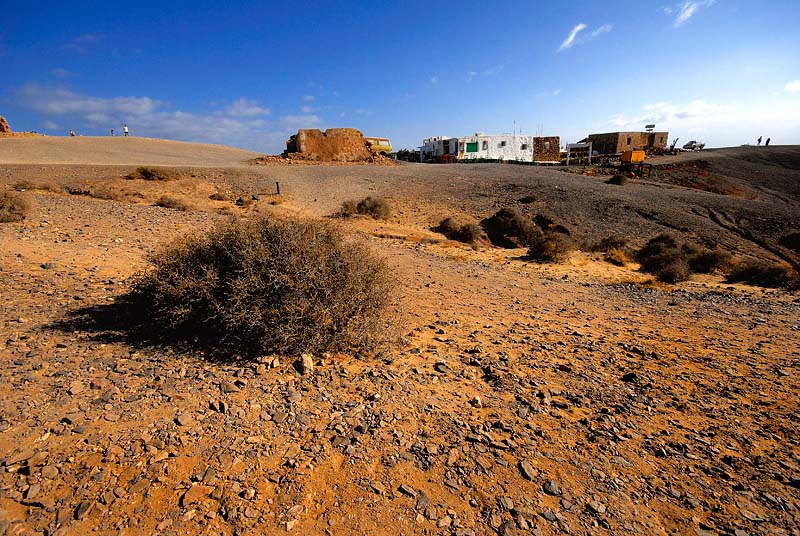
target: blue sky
<point>248,74</point>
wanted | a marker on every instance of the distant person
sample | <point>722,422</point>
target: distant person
<point>125,130</point>
<point>767,142</point>
<point>112,132</point>
<point>759,141</point>
<point>72,133</point>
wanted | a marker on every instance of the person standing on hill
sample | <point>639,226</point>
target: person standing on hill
<point>767,143</point>
<point>125,130</point>
<point>759,141</point>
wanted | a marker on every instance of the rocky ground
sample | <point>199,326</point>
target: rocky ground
<point>516,398</point>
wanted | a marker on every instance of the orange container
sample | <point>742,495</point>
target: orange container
<point>632,157</point>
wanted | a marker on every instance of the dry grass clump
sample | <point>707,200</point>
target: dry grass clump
<point>219,196</point>
<point>14,207</point>
<point>175,203</point>
<point>672,260</point>
<point>508,228</point>
<point>155,174</point>
<point>610,242</point>
<point>44,186</point>
<point>617,257</point>
<point>469,233</point>
<point>764,274</point>
<point>550,246</point>
<point>619,180</point>
<point>374,207</point>
<point>268,286</point>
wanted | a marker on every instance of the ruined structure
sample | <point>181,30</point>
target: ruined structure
<point>4,128</point>
<point>616,142</point>
<point>333,145</point>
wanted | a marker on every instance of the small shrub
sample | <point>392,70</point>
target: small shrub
<point>674,271</point>
<point>764,274</point>
<point>707,261</point>
<point>528,199</point>
<point>268,286</point>
<point>14,207</point>
<point>468,233</point>
<point>219,196</point>
<point>175,203</point>
<point>155,174</point>
<point>667,255</point>
<point>610,243</point>
<point>508,228</point>
<point>617,257</point>
<point>619,180</point>
<point>46,186</point>
<point>374,207</point>
<point>550,246</point>
<point>791,241</point>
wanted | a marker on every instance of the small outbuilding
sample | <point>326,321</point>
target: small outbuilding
<point>617,142</point>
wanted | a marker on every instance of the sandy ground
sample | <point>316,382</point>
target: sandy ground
<point>519,398</point>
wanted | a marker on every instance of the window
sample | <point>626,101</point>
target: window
<point>547,146</point>
<point>524,147</point>
<point>472,147</point>
<point>629,140</point>
<point>503,143</point>
<point>485,145</point>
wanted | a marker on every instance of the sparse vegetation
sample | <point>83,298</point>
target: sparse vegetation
<point>619,180</point>
<point>672,260</point>
<point>14,207</point>
<point>617,257</point>
<point>219,196</point>
<point>550,246</point>
<point>528,199</point>
<point>45,186</point>
<point>509,228</point>
<point>468,233</point>
<point>155,174</point>
<point>610,243</point>
<point>175,203</point>
<point>268,285</point>
<point>374,207</point>
<point>764,274</point>
<point>791,241</point>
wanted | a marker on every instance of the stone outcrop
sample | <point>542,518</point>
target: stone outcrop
<point>4,128</point>
<point>333,145</point>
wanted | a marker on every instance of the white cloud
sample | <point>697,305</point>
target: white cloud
<point>574,37</point>
<point>434,79</point>
<point>50,125</point>
<point>360,110</point>
<point>82,42</point>
<point>556,92</point>
<point>60,72</point>
<point>793,86</point>
<point>307,109</point>
<point>687,10</point>
<point>308,98</point>
<point>471,74</point>
<point>570,40</point>
<point>246,108</point>
<point>605,28</point>
<point>241,123</point>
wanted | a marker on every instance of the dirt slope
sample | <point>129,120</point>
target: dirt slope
<point>518,399</point>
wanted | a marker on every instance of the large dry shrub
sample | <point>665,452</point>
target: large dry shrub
<point>46,186</point>
<point>374,207</point>
<point>672,260</point>
<point>155,174</point>
<point>764,274</point>
<point>509,228</point>
<point>175,203</point>
<point>268,286</point>
<point>550,246</point>
<point>14,207</point>
<point>468,233</point>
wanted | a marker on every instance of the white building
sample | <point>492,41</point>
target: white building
<point>501,147</point>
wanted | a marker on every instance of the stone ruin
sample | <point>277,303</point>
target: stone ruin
<point>4,128</point>
<point>333,145</point>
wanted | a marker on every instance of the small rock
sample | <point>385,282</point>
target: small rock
<point>306,364</point>
<point>195,493</point>
<point>476,402</point>
<point>528,470</point>
<point>422,501</point>
<point>228,387</point>
<point>83,509</point>
<point>378,488</point>
<point>407,490</point>
<point>76,387</point>
<point>551,488</point>
<point>507,529</point>
<point>49,471</point>
<point>444,522</point>
<point>596,507</point>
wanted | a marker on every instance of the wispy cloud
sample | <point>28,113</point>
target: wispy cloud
<point>308,98</point>
<point>793,86</point>
<point>575,37</point>
<point>82,42</point>
<point>686,11</point>
<point>494,70</point>
<point>50,125</point>
<point>307,109</point>
<point>60,72</point>
<point>434,79</point>
<point>570,40</point>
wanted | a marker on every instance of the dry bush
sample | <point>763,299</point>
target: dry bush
<point>528,199</point>
<point>508,228</point>
<point>609,243</point>
<point>175,203</point>
<point>791,241</point>
<point>102,190</point>
<point>219,196</point>
<point>468,233</point>
<point>155,174</point>
<point>619,180</point>
<point>764,274</point>
<point>374,207</point>
<point>550,246</point>
<point>46,186</point>
<point>14,207</point>
<point>671,259</point>
<point>245,201</point>
<point>617,257</point>
<point>268,286</point>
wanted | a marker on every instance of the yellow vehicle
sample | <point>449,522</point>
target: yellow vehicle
<point>380,145</point>
<point>632,157</point>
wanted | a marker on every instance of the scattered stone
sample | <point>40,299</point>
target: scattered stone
<point>76,387</point>
<point>83,509</point>
<point>306,364</point>
<point>422,501</point>
<point>195,493</point>
<point>407,490</point>
<point>528,470</point>
<point>551,488</point>
<point>378,488</point>
<point>596,507</point>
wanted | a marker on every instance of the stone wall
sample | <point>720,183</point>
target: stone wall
<point>546,149</point>
<point>616,142</point>
<point>333,145</point>
<point>4,128</point>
